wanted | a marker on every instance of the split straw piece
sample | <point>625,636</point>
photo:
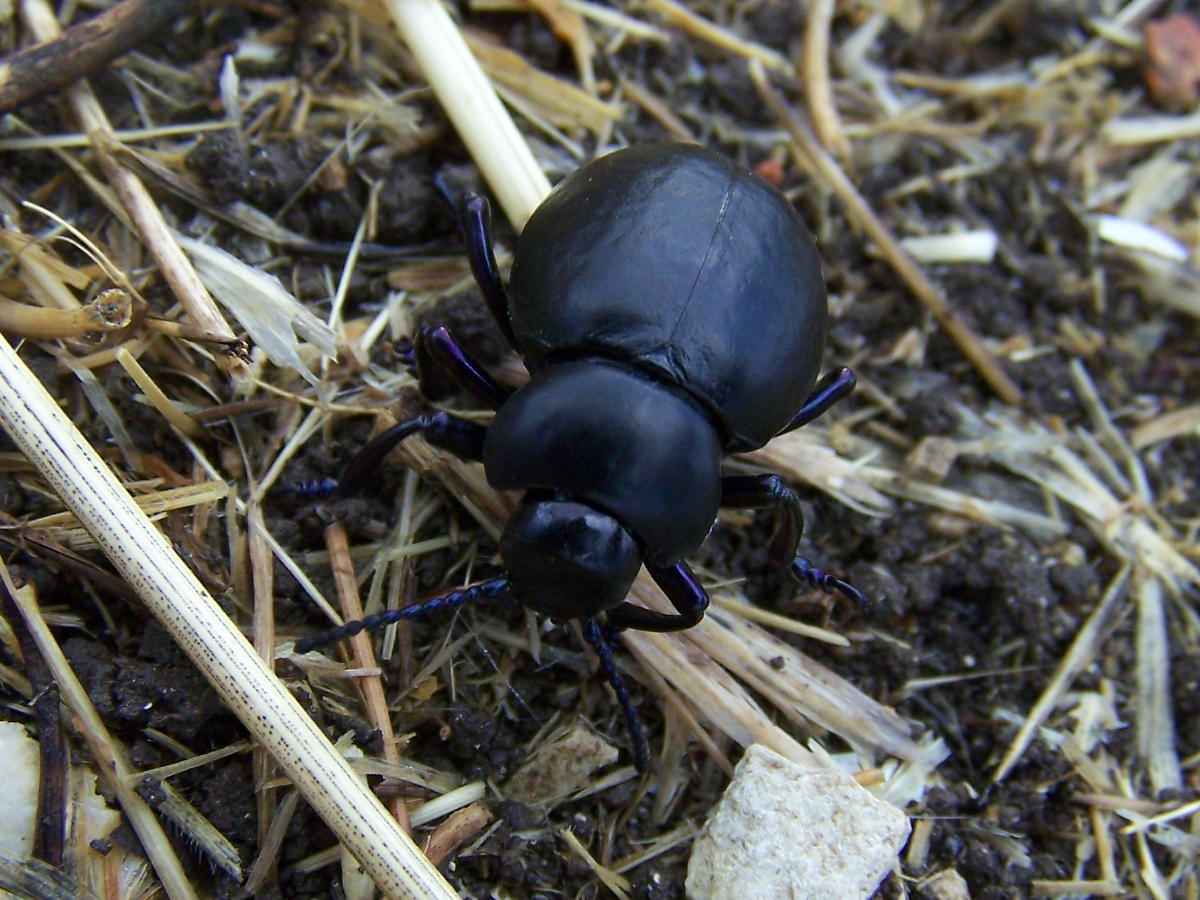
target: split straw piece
<point>467,96</point>
<point>247,686</point>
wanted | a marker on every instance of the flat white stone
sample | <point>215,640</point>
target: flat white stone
<point>560,765</point>
<point>19,799</point>
<point>786,831</point>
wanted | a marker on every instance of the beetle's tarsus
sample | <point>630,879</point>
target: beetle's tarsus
<point>312,489</point>
<point>602,641</point>
<point>484,590</point>
<point>806,573</point>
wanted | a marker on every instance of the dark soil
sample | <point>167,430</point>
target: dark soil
<point>965,600</point>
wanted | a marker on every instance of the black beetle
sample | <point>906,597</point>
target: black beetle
<point>671,310</point>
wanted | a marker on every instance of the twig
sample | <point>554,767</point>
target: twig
<point>823,167</point>
<point>173,593</point>
<point>147,218</point>
<point>457,827</point>
<point>818,90</point>
<point>257,556</point>
<point>45,69</point>
<point>364,654</point>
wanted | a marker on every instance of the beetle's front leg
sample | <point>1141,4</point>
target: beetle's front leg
<point>682,588</point>
<point>462,438</point>
<point>477,229</point>
<point>602,639</point>
<point>764,491</point>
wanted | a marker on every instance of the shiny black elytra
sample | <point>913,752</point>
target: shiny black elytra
<point>671,310</point>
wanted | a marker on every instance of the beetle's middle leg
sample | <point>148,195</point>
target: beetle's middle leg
<point>438,347</point>
<point>765,491</point>
<point>477,229</point>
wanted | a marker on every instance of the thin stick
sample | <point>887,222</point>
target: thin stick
<point>173,593</point>
<point>364,655</point>
<point>48,67</point>
<point>262,580</point>
<point>823,167</point>
<point>147,219</point>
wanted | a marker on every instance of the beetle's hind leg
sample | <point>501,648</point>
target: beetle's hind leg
<point>832,388</point>
<point>438,348</point>
<point>476,217</point>
<point>765,491</point>
<point>459,436</point>
<point>602,639</point>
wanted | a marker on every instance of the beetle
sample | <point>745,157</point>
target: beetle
<point>671,310</point>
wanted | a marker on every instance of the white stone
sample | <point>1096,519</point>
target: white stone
<point>19,799</point>
<point>560,765</point>
<point>786,831</point>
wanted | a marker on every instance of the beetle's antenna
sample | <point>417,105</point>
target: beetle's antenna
<point>484,590</point>
<point>806,573</point>
<point>602,641</point>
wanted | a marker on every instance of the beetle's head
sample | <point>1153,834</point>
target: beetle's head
<point>568,560</point>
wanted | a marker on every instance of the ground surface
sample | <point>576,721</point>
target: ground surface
<point>958,116</point>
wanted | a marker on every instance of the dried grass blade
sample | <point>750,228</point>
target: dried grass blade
<point>1082,651</point>
<point>1155,722</point>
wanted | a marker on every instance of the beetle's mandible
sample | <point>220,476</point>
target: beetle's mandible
<point>670,308</point>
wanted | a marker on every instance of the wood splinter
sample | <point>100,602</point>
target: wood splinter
<point>46,68</point>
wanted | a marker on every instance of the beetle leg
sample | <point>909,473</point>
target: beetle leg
<point>682,588</point>
<point>832,388</point>
<point>602,641</point>
<point>438,347</point>
<point>477,229</point>
<point>761,491</point>
<point>483,590</point>
<point>806,573</point>
<point>462,438</point>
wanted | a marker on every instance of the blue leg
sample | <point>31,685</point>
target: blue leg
<point>764,491</point>
<point>602,640</point>
<point>477,229</point>
<point>462,438</point>
<point>438,347</point>
<point>832,388</point>
<point>682,588</point>
<point>484,590</point>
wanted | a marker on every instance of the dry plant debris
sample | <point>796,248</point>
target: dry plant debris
<point>209,245</point>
